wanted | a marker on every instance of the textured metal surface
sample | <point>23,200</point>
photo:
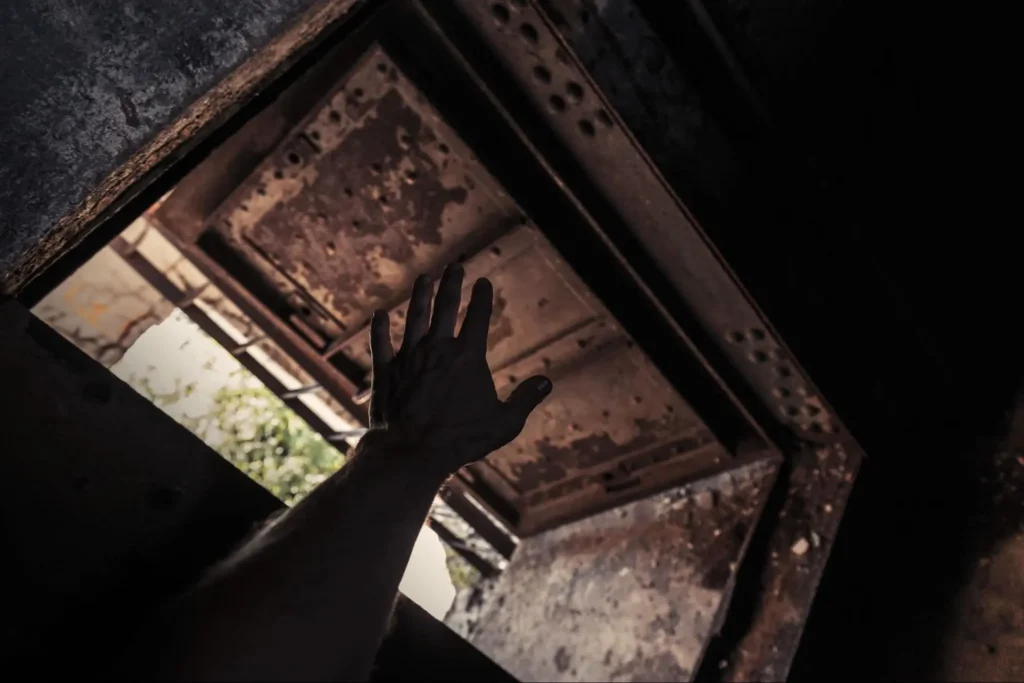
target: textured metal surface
<point>726,324</point>
<point>372,188</point>
<point>633,593</point>
<point>653,94</point>
<point>791,548</point>
<point>372,192</point>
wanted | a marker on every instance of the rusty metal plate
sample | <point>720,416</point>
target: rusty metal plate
<point>371,191</point>
<point>797,536</point>
<point>631,594</point>
<point>373,188</point>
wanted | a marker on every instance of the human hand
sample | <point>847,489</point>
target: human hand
<point>436,394</point>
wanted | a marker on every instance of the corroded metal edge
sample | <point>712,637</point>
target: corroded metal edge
<point>790,551</point>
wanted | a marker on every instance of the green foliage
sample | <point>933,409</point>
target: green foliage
<point>256,432</point>
<point>462,573</point>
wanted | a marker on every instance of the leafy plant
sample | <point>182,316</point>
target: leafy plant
<point>256,432</point>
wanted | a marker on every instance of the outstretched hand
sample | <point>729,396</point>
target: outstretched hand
<point>437,391</point>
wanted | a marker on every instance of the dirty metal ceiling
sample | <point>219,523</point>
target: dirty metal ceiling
<point>468,131</point>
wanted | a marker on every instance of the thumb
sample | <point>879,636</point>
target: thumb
<point>527,396</point>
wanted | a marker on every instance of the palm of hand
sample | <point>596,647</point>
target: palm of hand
<point>437,390</point>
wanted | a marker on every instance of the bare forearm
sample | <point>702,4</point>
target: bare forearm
<point>310,597</point>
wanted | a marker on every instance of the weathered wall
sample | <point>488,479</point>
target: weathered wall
<point>629,594</point>
<point>105,305</point>
<point>96,94</point>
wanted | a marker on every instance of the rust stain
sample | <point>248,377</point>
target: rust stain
<point>626,593</point>
<point>375,223</point>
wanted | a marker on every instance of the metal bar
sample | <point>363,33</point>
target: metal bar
<point>295,393</point>
<point>189,299</point>
<point>454,495</point>
<point>486,569</point>
<point>289,340</point>
<point>339,436</point>
<point>245,346</point>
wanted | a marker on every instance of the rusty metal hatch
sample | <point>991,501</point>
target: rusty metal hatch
<point>408,162</point>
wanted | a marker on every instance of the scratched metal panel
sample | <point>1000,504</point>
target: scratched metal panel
<point>371,189</point>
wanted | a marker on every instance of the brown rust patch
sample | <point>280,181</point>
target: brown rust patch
<point>369,191</point>
<point>378,229</point>
<point>591,417</point>
<point>623,594</point>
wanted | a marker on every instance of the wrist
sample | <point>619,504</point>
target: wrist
<point>403,455</point>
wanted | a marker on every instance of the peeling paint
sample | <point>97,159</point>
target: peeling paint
<point>623,595</point>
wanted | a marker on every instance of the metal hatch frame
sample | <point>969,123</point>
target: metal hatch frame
<point>695,322</point>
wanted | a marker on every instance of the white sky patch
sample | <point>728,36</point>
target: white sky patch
<point>176,353</point>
